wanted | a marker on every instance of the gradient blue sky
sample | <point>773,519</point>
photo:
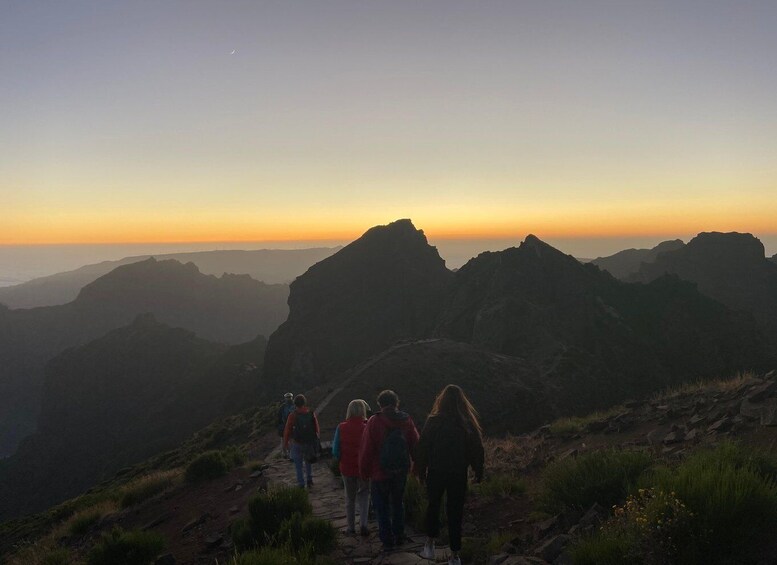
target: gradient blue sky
<point>132,122</point>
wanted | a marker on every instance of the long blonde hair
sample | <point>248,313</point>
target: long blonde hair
<point>453,402</point>
<point>357,407</point>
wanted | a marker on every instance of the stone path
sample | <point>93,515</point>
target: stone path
<point>328,501</point>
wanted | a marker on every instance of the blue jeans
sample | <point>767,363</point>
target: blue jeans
<point>299,455</point>
<point>387,498</point>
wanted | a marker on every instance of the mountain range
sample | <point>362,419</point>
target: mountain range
<point>228,309</point>
<point>272,266</point>
<point>530,332</point>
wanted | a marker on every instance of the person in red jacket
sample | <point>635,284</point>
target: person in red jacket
<point>345,447</point>
<point>303,432</point>
<point>387,449</point>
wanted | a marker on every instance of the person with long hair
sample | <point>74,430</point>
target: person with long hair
<point>345,448</point>
<point>450,443</point>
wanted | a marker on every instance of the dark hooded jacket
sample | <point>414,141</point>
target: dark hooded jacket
<point>448,444</point>
<point>378,427</point>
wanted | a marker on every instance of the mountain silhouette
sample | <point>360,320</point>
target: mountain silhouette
<point>271,266</point>
<point>587,337</point>
<point>137,391</point>
<point>229,309</point>
<point>624,263</point>
<point>729,267</point>
<point>596,339</point>
<point>387,285</point>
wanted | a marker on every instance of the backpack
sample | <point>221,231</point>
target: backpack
<point>304,429</point>
<point>394,454</point>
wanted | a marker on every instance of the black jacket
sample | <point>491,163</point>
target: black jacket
<point>446,444</point>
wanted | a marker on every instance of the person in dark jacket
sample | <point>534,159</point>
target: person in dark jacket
<point>345,448</point>
<point>283,414</point>
<point>450,443</point>
<point>387,449</point>
<point>302,432</point>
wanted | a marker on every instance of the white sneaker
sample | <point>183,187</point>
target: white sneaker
<point>455,560</point>
<point>428,552</point>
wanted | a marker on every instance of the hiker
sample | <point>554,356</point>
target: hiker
<point>387,449</point>
<point>283,414</point>
<point>345,447</point>
<point>302,430</point>
<point>451,441</point>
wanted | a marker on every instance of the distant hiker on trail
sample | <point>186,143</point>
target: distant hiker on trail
<point>283,414</point>
<point>302,430</point>
<point>345,447</point>
<point>451,441</point>
<point>388,446</point>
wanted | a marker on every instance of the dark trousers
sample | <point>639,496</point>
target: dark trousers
<point>454,484</point>
<point>387,500</point>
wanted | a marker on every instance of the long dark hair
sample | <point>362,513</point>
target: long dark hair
<point>453,402</point>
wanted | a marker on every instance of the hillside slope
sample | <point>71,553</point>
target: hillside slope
<point>133,393</point>
<point>230,309</point>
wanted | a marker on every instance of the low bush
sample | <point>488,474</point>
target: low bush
<point>311,536</point>
<point>126,548</point>
<point>208,465</point>
<point>146,487</point>
<point>605,477</point>
<point>478,551</point>
<point>268,556</point>
<point>733,493</point>
<point>652,528</point>
<point>82,521</point>
<point>269,510</point>
<point>499,486</point>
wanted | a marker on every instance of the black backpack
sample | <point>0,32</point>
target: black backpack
<point>304,428</point>
<point>394,454</point>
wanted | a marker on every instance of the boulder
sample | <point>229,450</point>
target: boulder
<point>552,548</point>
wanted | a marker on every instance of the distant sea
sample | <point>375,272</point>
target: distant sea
<point>20,263</point>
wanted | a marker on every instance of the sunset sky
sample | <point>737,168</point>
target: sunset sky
<point>136,122</point>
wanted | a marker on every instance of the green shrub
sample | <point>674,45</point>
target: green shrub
<point>606,548</point>
<point>268,556</point>
<point>269,510</point>
<point>315,535</point>
<point>243,535</point>
<point>651,528</point>
<point>499,486</point>
<point>208,465</point>
<point>234,456</point>
<point>732,492</point>
<point>146,487</point>
<point>479,550</point>
<point>126,548</point>
<point>80,523</point>
<point>605,477</point>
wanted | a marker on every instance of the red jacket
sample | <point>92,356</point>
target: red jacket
<point>350,442</point>
<point>288,432</point>
<point>375,433</point>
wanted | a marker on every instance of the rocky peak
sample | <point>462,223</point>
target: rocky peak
<point>387,285</point>
<point>727,248</point>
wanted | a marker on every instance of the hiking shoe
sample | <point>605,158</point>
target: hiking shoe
<point>400,540</point>
<point>428,551</point>
<point>365,531</point>
<point>455,560</point>
<point>386,547</point>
